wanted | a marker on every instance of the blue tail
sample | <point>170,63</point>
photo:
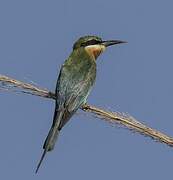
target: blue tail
<point>52,137</point>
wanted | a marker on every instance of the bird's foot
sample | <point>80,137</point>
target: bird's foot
<point>85,106</point>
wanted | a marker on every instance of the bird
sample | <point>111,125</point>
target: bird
<point>75,81</point>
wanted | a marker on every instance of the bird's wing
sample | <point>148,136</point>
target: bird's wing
<point>75,79</point>
<point>73,89</point>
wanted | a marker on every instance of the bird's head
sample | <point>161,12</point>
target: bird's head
<point>94,45</point>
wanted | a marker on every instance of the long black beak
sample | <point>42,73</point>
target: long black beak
<point>112,42</point>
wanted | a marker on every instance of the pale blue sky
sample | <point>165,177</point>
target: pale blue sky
<point>36,36</point>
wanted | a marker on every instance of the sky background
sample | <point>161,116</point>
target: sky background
<point>36,37</point>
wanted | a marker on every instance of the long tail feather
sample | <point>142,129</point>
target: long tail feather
<point>51,138</point>
<point>41,159</point>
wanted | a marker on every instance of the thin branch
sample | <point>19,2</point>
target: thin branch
<point>7,83</point>
<point>130,123</point>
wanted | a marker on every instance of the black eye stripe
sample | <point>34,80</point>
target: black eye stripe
<point>91,42</point>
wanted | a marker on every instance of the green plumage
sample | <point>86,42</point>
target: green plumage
<point>75,80</point>
<point>76,77</point>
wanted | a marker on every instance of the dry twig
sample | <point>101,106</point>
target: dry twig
<point>7,83</point>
